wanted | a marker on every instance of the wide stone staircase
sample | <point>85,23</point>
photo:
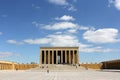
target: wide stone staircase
<point>59,67</point>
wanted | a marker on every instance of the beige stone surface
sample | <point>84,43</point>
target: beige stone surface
<point>59,75</point>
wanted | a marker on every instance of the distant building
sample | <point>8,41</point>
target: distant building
<point>59,55</point>
<point>113,64</point>
<point>7,65</point>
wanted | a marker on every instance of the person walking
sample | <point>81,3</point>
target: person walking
<point>47,70</point>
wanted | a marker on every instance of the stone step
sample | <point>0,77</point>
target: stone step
<point>58,67</point>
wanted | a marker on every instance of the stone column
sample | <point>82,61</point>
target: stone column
<point>13,66</point>
<point>5,66</point>
<point>0,66</point>
<point>61,56</point>
<point>52,57</point>
<point>44,57</point>
<point>65,56</point>
<point>77,57</point>
<point>48,57</point>
<point>40,56</point>
<point>56,56</point>
<point>73,57</point>
<point>69,57</point>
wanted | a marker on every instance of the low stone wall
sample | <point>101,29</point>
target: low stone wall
<point>91,65</point>
<point>5,65</point>
<point>25,66</point>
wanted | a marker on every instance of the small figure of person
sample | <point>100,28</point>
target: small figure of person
<point>16,69</point>
<point>86,68</point>
<point>47,70</point>
<point>76,66</point>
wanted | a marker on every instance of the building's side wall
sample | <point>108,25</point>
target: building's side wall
<point>4,66</point>
<point>111,65</point>
<point>12,66</point>
<point>25,66</point>
<point>91,65</point>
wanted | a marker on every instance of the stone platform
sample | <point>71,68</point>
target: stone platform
<point>59,67</point>
<point>59,75</point>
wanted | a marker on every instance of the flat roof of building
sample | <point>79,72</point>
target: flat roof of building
<point>117,60</point>
<point>59,47</point>
<point>8,62</point>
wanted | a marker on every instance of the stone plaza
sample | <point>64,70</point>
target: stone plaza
<point>59,75</point>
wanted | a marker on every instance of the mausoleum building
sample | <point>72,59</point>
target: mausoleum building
<point>59,55</point>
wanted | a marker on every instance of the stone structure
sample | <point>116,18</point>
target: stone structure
<point>6,65</point>
<point>113,64</point>
<point>92,65</point>
<point>25,66</point>
<point>59,55</point>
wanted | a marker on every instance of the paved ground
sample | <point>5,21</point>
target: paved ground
<point>59,75</point>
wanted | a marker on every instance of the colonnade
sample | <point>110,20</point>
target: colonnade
<point>25,66</point>
<point>6,66</point>
<point>12,66</point>
<point>59,56</point>
<point>111,65</point>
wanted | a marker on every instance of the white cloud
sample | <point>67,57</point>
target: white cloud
<point>58,33</point>
<point>14,42</point>
<point>65,25</point>
<point>60,26</point>
<point>66,40</point>
<point>35,6</point>
<point>96,49</point>
<point>1,33</point>
<point>106,35</point>
<point>64,35</point>
<point>37,41</point>
<point>72,30</point>
<point>59,2</point>
<point>63,40</point>
<point>116,3</point>
<point>8,54</point>
<point>65,18</point>
<point>86,28</point>
<point>54,40</point>
<point>72,8</point>
<point>11,41</point>
<point>64,3</point>
<point>36,23</point>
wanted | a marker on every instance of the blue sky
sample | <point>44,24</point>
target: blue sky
<point>27,25</point>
